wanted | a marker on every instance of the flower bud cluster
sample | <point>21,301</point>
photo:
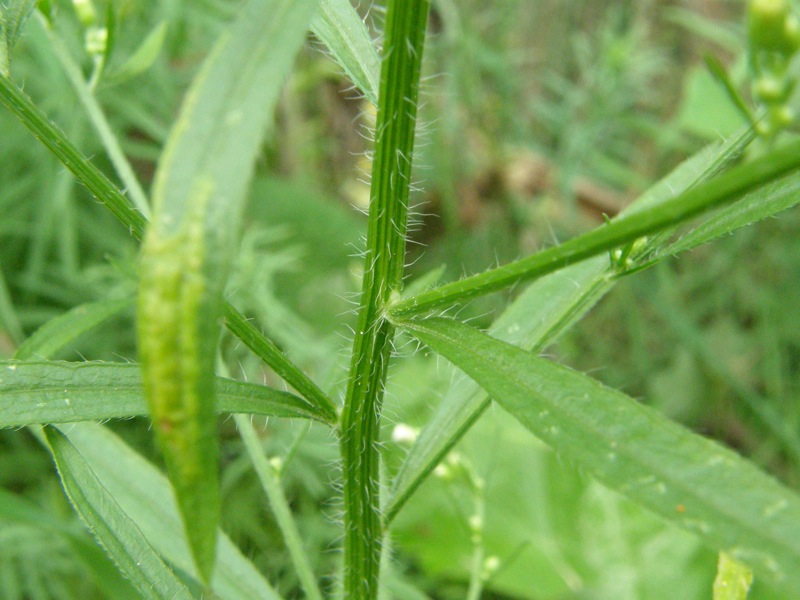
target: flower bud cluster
<point>774,35</point>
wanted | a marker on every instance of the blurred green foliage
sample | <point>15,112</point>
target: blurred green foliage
<point>544,116</point>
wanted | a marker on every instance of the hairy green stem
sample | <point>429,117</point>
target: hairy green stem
<point>722,190</point>
<point>406,22</point>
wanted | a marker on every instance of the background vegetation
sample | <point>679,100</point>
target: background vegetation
<point>544,117</point>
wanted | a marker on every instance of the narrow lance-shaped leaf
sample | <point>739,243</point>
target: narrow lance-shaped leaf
<point>146,498</point>
<point>198,194</point>
<point>537,317</point>
<point>761,204</point>
<point>541,313</point>
<point>340,28</point>
<point>687,479</point>
<point>117,533</point>
<point>67,392</point>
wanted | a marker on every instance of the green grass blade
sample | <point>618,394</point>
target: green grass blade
<point>114,530</point>
<point>98,119</point>
<point>721,190</point>
<point>685,478</point>
<point>341,29</point>
<point>199,193</point>
<point>146,497</point>
<point>60,331</point>
<point>65,392</point>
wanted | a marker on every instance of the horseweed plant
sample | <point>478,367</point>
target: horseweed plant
<point>163,535</point>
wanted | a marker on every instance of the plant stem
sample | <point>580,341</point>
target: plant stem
<point>406,22</point>
<point>725,189</point>
<point>98,119</point>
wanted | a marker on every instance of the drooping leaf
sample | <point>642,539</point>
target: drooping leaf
<point>145,496</point>
<point>199,194</point>
<point>114,530</point>
<point>542,312</point>
<point>66,392</point>
<point>687,479</point>
<point>120,536</point>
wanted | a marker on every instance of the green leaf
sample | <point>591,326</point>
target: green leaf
<point>199,194</point>
<point>65,392</point>
<point>13,14</point>
<point>60,331</point>
<point>145,496</point>
<point>54,139</point>
<point>688,480</point>
<point>733,579</point>
<point>340,28</point>
<point>119,535</point>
